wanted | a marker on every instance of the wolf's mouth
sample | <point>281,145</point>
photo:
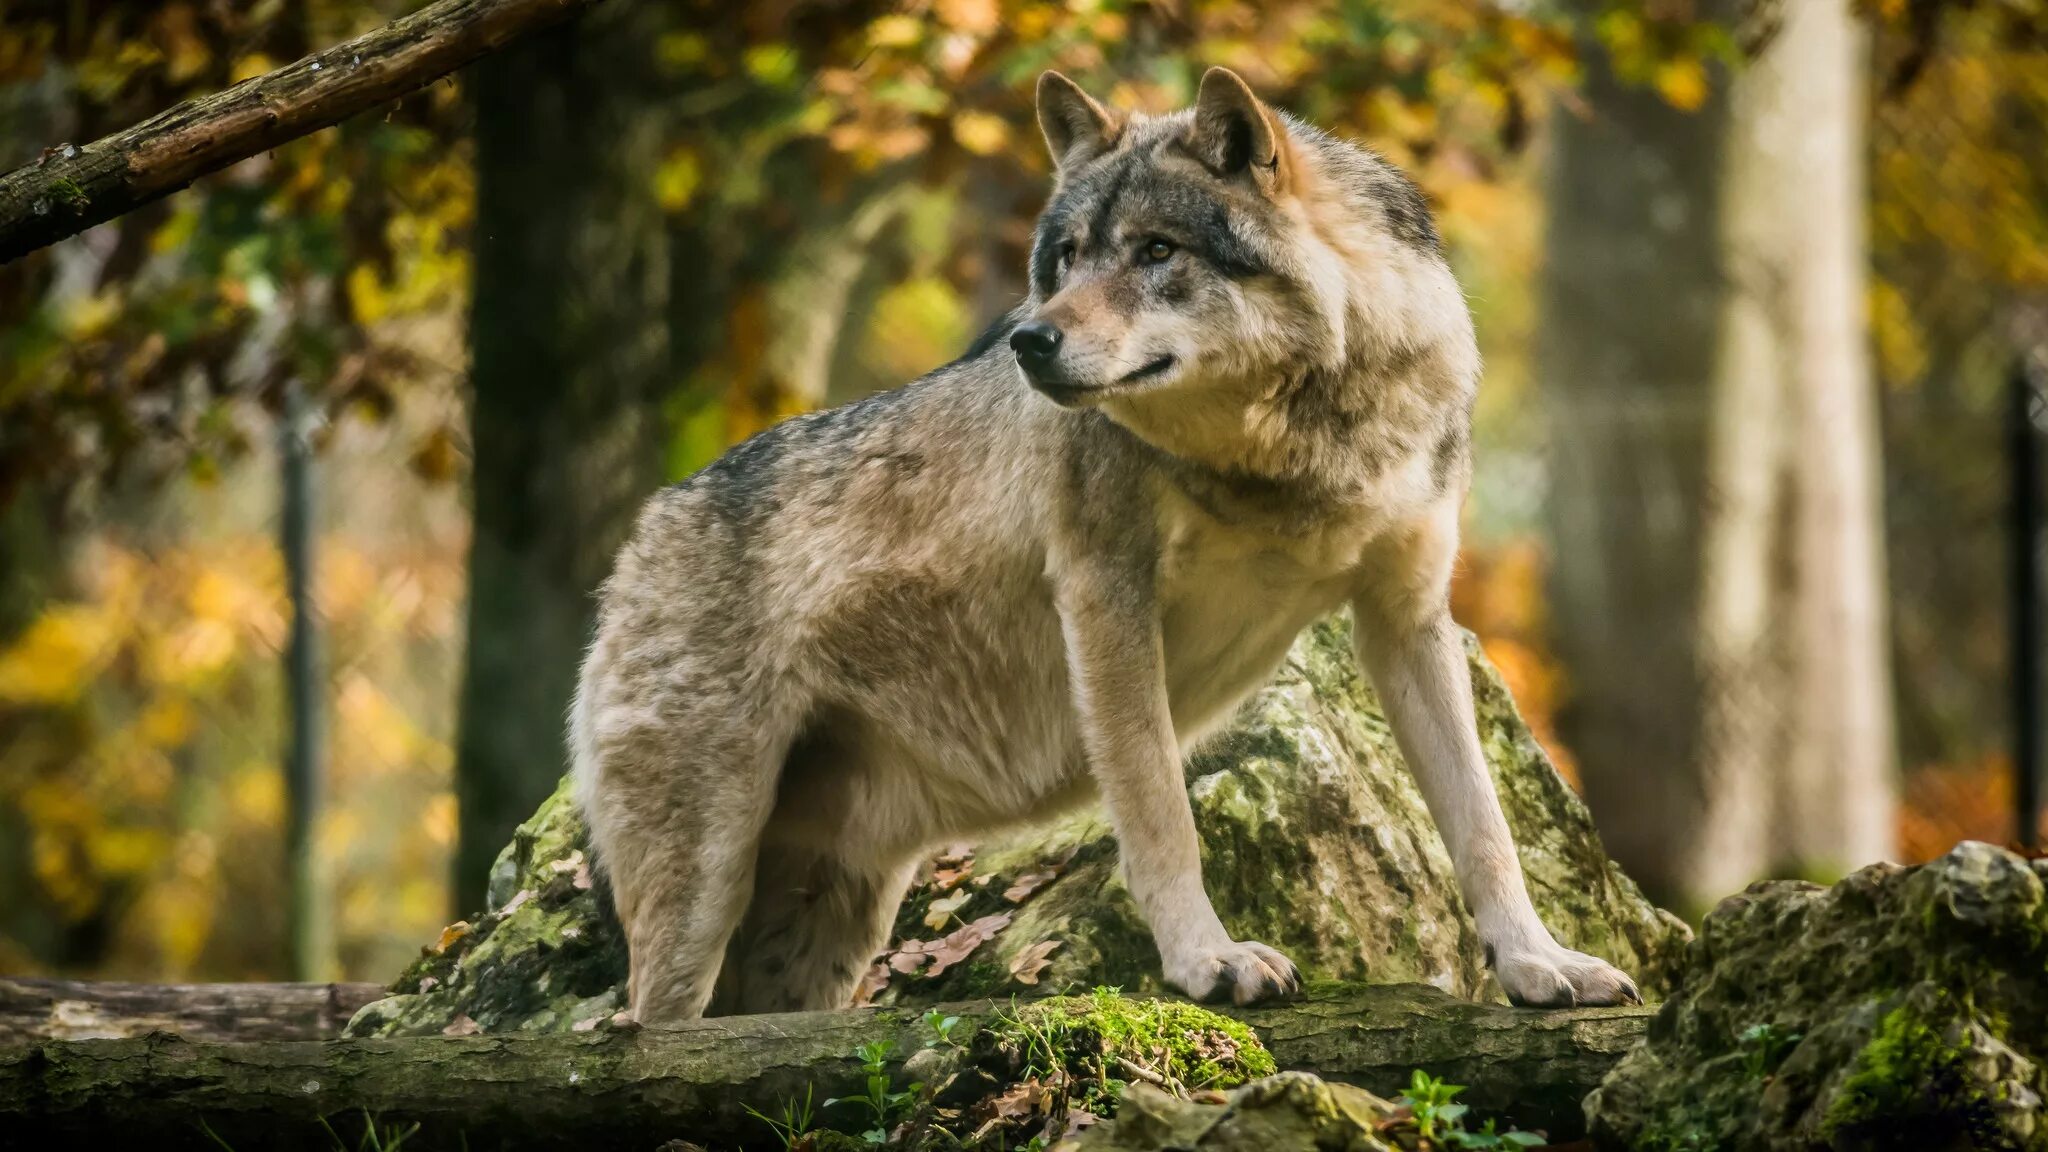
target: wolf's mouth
<point>1148,371</point>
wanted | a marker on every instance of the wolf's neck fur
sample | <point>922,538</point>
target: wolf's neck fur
<point>1321,435</point>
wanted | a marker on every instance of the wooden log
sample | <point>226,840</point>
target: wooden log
<point>91,1010</point>
<point>618,1088</point>
<point>71,188</point>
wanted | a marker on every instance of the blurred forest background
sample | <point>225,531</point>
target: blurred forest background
<point>1750,281</point>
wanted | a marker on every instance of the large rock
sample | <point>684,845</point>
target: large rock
<point>1902,1008</point>
<point>1315,840</point>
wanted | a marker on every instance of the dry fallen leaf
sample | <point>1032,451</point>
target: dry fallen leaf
<point>451,935</point>
<point>910,955</point>
<point>517,902</point>
<point>462,1026</point>
<point>941,910</point>
<point>1033,960</point>
<point>962,941</point>
<point>872,983</point>
<point>1022,888</point>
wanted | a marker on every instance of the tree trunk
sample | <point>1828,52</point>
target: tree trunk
<point>1631,288</point>
<point>570,351</point>
<point>1719,581</point>
<point>610,1088</point>
<point>72,188</point>
<point>82,1010</point>
<point>1837,811</point>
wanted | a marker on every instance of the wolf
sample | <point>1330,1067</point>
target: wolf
<point>1237,396</point>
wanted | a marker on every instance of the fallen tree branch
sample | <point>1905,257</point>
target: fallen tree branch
<point>639,1088</point>
<point>91,1010</point>
<point>72,188</point>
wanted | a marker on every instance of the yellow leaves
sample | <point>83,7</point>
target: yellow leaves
<point>917,325</point>
<point>252,65</point>
<point>974,17</point>
<point>773,64</point>
<point>677,51</point>
<point>438,819</point>
<point>57,656</point>
<point>165,722</point>
<point>255,795</point>
<point>981,133</point>
<point>677,178</point>
<point>896,31</point>
<point>1683,83</point>
<point>85,317</point>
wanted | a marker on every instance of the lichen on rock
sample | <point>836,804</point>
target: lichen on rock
<point>1902,1008</point>
<point>1314,840</point>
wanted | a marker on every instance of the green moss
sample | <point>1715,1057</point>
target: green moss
<point>1100,1041</point>
<point>69,191</point>
<point>1905,1062</point>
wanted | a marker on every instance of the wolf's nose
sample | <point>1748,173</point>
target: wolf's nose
<point>1035,343</point>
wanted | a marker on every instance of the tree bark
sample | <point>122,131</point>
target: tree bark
<point>635,1089</point>
<point>1837,813</point>
<point>570,353</point>
<point>73,188</point>
<point>1719,587</point>
<point>91,1010</point>
<point>1631,292</point>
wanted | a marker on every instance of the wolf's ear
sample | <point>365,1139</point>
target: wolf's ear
<point>1235,134</point>
<point>1076,128</point>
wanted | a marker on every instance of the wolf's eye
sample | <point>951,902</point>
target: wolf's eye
<point>1155,251</point>
<point>1066,259</point>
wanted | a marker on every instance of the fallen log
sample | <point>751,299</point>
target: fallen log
<point>94,1010</point>
<point>627,1088</point>
<point>71,188</point>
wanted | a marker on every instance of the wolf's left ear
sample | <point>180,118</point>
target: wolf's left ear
<point>1235,134</point>
<point>1076,128</point>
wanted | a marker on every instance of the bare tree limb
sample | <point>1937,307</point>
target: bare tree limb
<point>90,1010</point>
<point>72,188</point>
<point>604,1089</point>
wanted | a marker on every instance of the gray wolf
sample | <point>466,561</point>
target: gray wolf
<point>1237,397</point>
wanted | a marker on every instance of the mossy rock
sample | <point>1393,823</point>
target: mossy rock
<point>1902,1008</point>
<point>1288,1111</point>
<point>1314,840</point>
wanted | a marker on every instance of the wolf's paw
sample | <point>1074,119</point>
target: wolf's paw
<point>1245,970</point>
<point>1557,977</point>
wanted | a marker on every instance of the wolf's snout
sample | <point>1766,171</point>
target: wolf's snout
<point>1035,343</point>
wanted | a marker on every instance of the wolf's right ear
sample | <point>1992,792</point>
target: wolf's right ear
<point>1076,128</point>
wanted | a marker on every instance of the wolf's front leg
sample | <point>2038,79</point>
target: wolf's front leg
<point>1406,640</point>
<point>1117,670</point>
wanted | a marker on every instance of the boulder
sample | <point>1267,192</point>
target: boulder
<point>1901,1008</point>
<point>1314,838</point>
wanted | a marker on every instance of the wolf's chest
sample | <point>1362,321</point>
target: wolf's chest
<point>1232,599</point>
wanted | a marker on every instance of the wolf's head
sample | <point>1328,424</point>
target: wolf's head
<point>1210,257</point>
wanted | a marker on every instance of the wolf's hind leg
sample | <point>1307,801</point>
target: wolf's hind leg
<point>677,823</point>
<point>813,926</point>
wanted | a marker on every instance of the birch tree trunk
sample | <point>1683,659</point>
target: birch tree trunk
<point>1837,812</point>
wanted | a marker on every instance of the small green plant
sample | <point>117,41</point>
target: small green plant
<point>1765,1046</point>
<point>942,1025</point>
<point>884,1107</point>
<point>794,1123</point>
<point>375,1138</point>
<point>1439,1118</point>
